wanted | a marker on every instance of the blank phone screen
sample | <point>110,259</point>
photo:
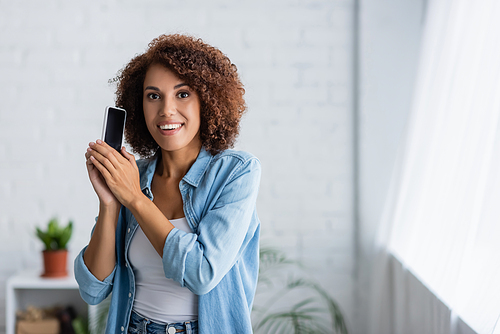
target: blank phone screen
<point>114,128</point>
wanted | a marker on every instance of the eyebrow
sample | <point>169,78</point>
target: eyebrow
<point>157,89</point>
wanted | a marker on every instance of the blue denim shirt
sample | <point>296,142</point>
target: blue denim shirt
<point>218,261</point>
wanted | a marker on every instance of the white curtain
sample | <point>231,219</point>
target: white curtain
<point>439,265</point>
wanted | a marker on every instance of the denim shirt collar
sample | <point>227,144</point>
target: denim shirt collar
<point>192,177</point>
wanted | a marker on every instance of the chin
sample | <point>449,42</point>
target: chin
<point>177,147</point>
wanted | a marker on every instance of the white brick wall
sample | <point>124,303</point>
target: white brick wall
<point>295,59</point>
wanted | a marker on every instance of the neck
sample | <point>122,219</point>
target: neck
<point>175,164</point>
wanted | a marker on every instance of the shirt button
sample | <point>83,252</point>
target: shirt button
<point>129,294</point>
<point>128,231</point>
<point>126,264</point>
<point>171,330</point>
<point>123,328</point>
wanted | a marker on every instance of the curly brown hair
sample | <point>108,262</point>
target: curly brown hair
<point>206,70</point>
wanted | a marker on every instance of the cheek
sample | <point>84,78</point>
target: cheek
<point>148,120</point>
<point>197,114</point>
<point>148,115</point>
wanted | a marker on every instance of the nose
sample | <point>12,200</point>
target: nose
<point>169,107</point>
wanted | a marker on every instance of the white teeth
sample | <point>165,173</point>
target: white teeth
<point>170,126</point>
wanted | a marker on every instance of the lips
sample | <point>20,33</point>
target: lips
<point>169,129</point>
<point>170,126</point>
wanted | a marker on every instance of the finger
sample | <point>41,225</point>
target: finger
<point>101,147</point>
<point>87,158</point>
<point>90,167</point>
<point>87,153</point>
<point>108,152</point>
<point>90,164</point>
<point>101,168</point>
<point>129,157</point>
<point>103,161</point>
<point>102,143</point>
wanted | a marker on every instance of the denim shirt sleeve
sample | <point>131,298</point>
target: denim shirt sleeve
<point>92,290</point>
<point>200,260</point>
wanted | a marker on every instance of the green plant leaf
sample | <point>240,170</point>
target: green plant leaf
<point>65,235</point>
<point>80,326</point>
<point>335,312</point>
<point>55,238</point>
<point>44,238</point>
<point>307,315</point>
<point>299,321</point>
<point>53,227</point>
<point>273,258</point>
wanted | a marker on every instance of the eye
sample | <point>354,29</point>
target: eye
<point>183,95</point>
<point>153,96</point>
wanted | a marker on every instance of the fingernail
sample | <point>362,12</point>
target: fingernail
<point>99,141</point>
<point>91,144</point>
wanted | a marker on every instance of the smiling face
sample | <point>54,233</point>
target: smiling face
<point>171,110</point>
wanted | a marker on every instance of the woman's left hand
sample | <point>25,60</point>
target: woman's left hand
<point>120,171</point>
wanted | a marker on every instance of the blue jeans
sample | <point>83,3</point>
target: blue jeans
<point>140,325</point>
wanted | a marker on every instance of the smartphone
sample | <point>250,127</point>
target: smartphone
<point>113,127</point>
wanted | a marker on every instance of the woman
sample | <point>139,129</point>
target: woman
<point>176,238</point>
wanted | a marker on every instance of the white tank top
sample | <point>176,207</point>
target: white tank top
<point>158,298</point>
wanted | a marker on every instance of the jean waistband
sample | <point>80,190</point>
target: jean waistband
<point>151,325</point>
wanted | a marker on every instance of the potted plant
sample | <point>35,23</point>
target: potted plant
<point>55,255</point>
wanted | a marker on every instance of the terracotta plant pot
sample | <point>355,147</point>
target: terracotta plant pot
<point>54,262</point>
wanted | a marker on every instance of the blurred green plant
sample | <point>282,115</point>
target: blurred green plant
<point>55,237</point>
<point>314,311</point>
<point>80,325</point>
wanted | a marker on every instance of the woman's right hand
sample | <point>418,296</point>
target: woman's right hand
<point>102,190</point>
